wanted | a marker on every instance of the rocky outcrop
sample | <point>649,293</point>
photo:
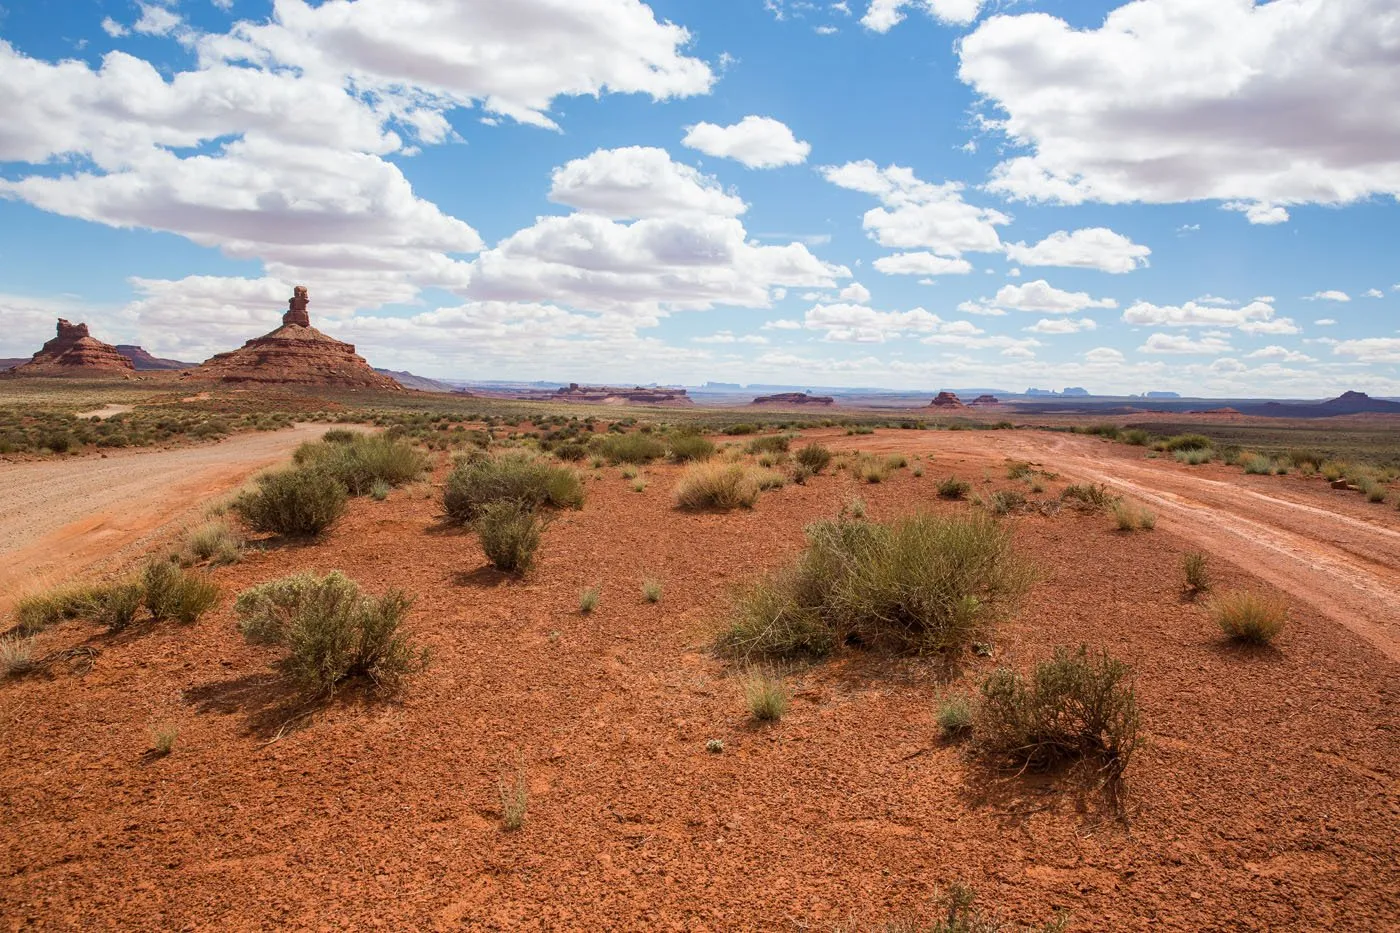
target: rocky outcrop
<point>794,398</point>
<point>615,395</point>
<point>295,354</point>
<point>984,400</point>
<point>946,400</point>
<point>74,352</point>
<point>144,362</point>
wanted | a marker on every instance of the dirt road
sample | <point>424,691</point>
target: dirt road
<point>1330,549</point>
<point>59,518</point>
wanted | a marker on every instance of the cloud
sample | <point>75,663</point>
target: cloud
<point>1256,317</point>
<point>1104,355</point>
<point>639,181</point>
<point>1061,326</point>
<point>728,336</point>
<point>1041,296</point>
<point>1090,248</point>
<point>156,20</point>
<point>917,214</point>
<point>1331,294</point>
<point>921,263</point>
<point>782,324</point>
<point>1325,322</point>
<point>758,142</point>
<point>113,28</point>
<point>1282,354</point>
<point>1252,104</point>
<point>855,292</point>
<point>1180,343</point>
<point>884,15</point>
<point>1370,349</point>
<point>854,323</point>
<point>1373,293</point>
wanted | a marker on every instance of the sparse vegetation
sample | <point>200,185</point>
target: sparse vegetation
<point>769,444</point>
<point>214,543</point>
<point>1195,567</point>
<point>170,594</point>
<point>588,600</point>
<point>1002,502</point>
<point>814,457</point>
<point>922,583</point>
<point>954,488</point>
<point>651,590</point>
<point>298,502</point>
<point>765,694</point>
<point>359,461</point>
<point>513,477</point>
<point>1194,456</point>
<point>1091,496</point>
<point>957,914</point>
<point>635,447</point>
<point>718,486</point>
<point>1257,464</point>
<point>1187,442</point>
<point>1075,705</point>
<point>510,533</point>
<point>37,611</point>
<point>515,796</point>
<point>715,746</point>
<point>1249,616</point>
<point>954,717</point>
<point>1131,516</point>
<point>16,656</point>
<point>163,740</point>
<point>685,448</point>
<point>333,633</point>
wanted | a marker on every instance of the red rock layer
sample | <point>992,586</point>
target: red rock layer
<point>794,398</point>
<point>74,351</point>
<point>296,355</point>
<point>946,400</point>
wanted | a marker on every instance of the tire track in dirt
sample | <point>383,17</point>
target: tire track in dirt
<point>1345,567</point>
<point>62,517</point>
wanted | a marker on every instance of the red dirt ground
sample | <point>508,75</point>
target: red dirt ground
<point>1268,796</point>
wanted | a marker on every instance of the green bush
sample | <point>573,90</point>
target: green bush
<point>954,717</point>
<point>364,459</point>
<point>1195,567</point>
<point>815,457</point>
<point>172,593</point>
<point>765,695</point>
<point>570,451</point>
<point>630,448</point>
<point>954,488</point>
<point>513,477</point>
<point>1195,456</point>
<point>298,502</point>
<point>1092,496</point>
<point>1073,706</point>
<point>921,583</point>
<point>1003,501</point>
<point>1256,464</point>
<point>1187,442</point>
<point>510,534</point>
<point>1135,437</point>
<point>742,427</point>
<point>121,604</point>
<point>769,444</point>
<point>690,447</point>
<point>331,631</point>
<point>37,611</point>
<point>212,543</point>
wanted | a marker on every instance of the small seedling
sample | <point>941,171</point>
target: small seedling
<point>163,740</point>
<point>588,600</point>
<point>651,590</point>
<point>515,796</point>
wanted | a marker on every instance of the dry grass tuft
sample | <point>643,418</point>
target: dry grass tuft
<point>1250,617</point>
<point>765,694</point>
<point>721,486</point>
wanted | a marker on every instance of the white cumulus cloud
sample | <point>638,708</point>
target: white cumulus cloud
<point>639,181</point>
<point>758,142</point>
<point>1090,248</point>
<point>884,15</point>
<point>1182,344</point>
<point>921,263</point>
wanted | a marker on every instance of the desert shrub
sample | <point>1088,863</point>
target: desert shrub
<point>769,444</point>
<point>800,474</point>
<point>1110,431</point>
<point>717,486</point>
<point>1089,496</point>
<point>299,502</point>
<point>651,590</point>
<point>512,477</point>
<point>868,469</point>
<point>1247,616</point>
<point>121,603</point>
<point>163,740</point>
<point>814,457</point>
<point>510,533</point>
<point>212,543</point>
<point>768,461</point>
<point>631,448</point>
<point>339,436</point>
<point>1195,456</point>
<point>515,796</point>
<point>1018,469</point>
<point>1073,706</point>
<point>331,631</point>
<point>172,593</point>
<point>1195,567</point>
<point>1257,464</point>
<point>1333,470</point>
<point>918,470</point>
<point>1372,490</point>
<point>1135,437</point>
<point>16,657</point>
<point>765,695</point>
<point>588,600</point>
<point>37,611</point>
<point>742,427</point>
<point>921,583</point>
<point>1307,458</point>
<point>769,479</point>
<point>379,491</point>
<point>571,451</point>
<point>954,716</point>
<point>690,447</point>
<point>1003,501</point>
<point>1130,516</point>
<point>954,488</point>
<point>1187,442</point>
<point>364,459</point>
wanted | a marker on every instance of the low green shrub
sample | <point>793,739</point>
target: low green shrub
<point>331,631</point>
<point>954,717</point>
<point>1257,464</point>
<point>1076,705</point>
<point>718,486</point>
<point>363,460</point>
<point>685,448</point>
<point>1131,516</point>
<point>1248,616</point>
<point>769,444</point>
<point>1187,442</point>
<point>511,477</point>
<point>173,593</point>
<point>765,694</point>
<point>1195,567</point>
<point>1135,437</point>
<point>298,502</point>
<point>954,488</point>
<point>1194,456</point>
<point>212,543</point>
<point>630,448</point>
<point>1091,496</point>
<point>510,533</point>
<point>814,457</point>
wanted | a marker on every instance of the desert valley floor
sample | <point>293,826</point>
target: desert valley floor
<point>1267,795</point>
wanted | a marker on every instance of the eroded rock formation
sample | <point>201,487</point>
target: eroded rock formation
<point>613,395</point>
<point>794,398</point>
<point>297,354</point>
<point>74,351</point>
<point>983,400</point>
<point>946,400</point>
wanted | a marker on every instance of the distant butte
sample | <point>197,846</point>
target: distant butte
<point>614,395</point>
<point>295,354</point>
<point>794,398</point>
<point>946,400</point>
<point>74,352</point>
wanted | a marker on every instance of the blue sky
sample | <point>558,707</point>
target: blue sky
<point>1189,195</point>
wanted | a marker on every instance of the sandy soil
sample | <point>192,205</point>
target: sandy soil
<point>64,517</point>
<point>1268,796</point>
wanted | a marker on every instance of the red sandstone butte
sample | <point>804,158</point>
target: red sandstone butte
<point>295,354</point>
<point>946,400</point>
<point>74,352</point>
<point>794,398</point>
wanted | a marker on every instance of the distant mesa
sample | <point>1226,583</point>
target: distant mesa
<point>794,398</point>
<point>1348,403</point>
<point>984,401</point>
<point>946,400</point>
<point>421,383</point>
<point>75,352</point>
<point>612,395</point>
<point>295,354</point>
<point>144,362</point>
